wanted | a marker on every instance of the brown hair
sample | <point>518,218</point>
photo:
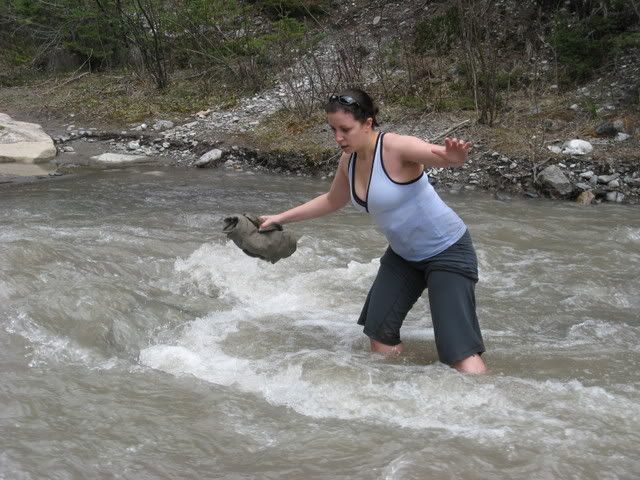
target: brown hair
<point>362,109</point>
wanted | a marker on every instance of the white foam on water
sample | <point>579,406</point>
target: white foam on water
<point>624,234</point>
<point>272,288</point>
<point>603,333</point>
<point>5,291</point>
<point>325,371</point>
<point>11,470</point>
<point>46,347</point>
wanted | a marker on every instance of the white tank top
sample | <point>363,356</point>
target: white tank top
<point>411,215</point>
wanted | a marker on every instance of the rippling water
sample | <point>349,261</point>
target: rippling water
<point>136,342</point>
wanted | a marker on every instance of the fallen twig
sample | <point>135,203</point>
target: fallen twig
<point>449,130</point>
<point>69,80</point>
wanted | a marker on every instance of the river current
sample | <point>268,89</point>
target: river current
<point>137,342</point>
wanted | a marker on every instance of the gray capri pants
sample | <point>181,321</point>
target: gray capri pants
<point>449,277</point>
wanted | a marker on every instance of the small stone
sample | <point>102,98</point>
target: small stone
<point>577,147</point>
<point>575,107</point>
<point>606,129</point>
<point>621,136</point>
<point>618,125</point>
<point>133,145</point>
<point>161,125</point>
<point>632,182</point>
<point>613,184</point>
<point>588,174</point>
<point>585,198</point>
<point>211,157</point>
<point>616,197</point>
<point>583,186</point>
<point>376,20</point>
<point>555,148</point>
<point>608,178</point>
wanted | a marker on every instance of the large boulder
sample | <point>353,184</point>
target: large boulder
<point>24,142</point>
<point>555,181</point>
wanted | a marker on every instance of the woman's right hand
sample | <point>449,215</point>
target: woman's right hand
<point>266,220</point>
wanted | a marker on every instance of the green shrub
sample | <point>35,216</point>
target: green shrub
<point>584,45</point>
<point>626,41</point>
<point>437,33</point>
<point>294,8</point>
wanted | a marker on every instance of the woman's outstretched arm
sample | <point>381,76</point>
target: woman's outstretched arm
<point>336,198</point>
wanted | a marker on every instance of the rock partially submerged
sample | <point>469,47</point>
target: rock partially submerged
<point>24,142</point>
<point>209,159</point>
<point>118,158</point>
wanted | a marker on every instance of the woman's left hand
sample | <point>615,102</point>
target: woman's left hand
<point>455,151</point>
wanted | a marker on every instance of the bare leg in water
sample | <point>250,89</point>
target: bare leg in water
<point>471,364</point>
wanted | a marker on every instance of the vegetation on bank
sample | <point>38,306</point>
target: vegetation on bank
<point>168,57</point>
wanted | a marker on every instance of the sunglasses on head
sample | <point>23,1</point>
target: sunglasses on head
<point>345,100</point>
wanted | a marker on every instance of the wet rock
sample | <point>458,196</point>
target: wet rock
<point>209,159</point>
<point>554,179</point>
<point>24,142</point>
<point>586,198</point>
<point>118,158</point>
<point>608,178</point>
<point>616,197</point>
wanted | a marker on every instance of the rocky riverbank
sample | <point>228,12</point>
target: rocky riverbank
<point>213,139</point>
<point>570,171</point>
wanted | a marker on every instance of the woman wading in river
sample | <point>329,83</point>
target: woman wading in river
<point>429,245</point>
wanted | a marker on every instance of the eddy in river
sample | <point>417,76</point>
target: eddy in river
<point>429,245</point>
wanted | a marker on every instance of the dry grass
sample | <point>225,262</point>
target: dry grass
<point>110,99</point>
